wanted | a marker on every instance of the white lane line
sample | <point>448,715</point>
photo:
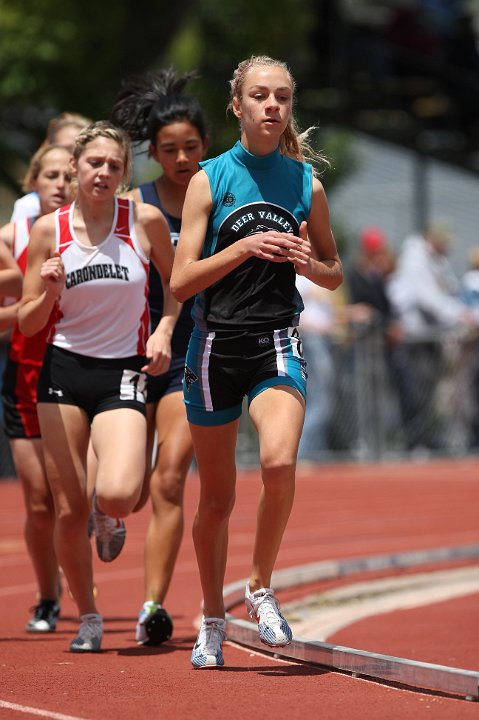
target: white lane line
<point>37,711</point>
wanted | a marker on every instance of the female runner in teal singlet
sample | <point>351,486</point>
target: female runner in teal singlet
<point>253,218</point>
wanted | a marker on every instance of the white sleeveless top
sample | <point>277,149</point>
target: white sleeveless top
<point>103,309</point>
<point>21,236</point>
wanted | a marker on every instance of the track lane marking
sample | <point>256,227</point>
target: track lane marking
<point>37,711</point>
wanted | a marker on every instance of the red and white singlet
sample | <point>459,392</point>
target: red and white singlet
<point>25,350</point>
<point>103,309</point>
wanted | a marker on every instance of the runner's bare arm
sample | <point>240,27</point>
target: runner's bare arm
<point>154,228</point>
<point>44,278</point>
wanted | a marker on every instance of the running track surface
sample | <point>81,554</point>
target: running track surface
<point>340,511</point>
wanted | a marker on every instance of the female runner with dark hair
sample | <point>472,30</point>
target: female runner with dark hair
<point>156,110</point>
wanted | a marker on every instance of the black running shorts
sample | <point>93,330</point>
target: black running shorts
<point>93,384</point>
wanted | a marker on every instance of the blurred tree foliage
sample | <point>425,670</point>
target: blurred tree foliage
<point>57,56</point>
<point>217,36</point>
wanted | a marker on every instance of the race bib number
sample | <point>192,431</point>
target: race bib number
<point>133,386</point>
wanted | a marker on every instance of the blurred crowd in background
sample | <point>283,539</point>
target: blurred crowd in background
<point>393,357</point>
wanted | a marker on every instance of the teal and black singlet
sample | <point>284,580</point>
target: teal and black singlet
<point>250,195</point>
<point>245,338</point>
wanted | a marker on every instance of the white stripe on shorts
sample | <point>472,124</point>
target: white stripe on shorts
<point>205,361</point>
<point>279,353</point>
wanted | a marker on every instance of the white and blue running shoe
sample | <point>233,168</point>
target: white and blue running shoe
<point>263,607</point>
<point>110,533</point>
<point>89,635</point>
<point>207,651</point>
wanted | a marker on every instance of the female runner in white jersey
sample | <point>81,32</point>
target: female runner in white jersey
<point>49,176</point>
<point>88,265</point>
<point>252,218</point>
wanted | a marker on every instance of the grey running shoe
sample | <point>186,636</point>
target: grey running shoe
<point>263,607</point>
<point>45,616</point>
<point>110,534</point>
<point>154,625</point>
<point>207,651</point>
<point>89,635</point>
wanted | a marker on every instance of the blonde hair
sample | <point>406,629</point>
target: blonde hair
<point>293,143</point>
<point>65,119</point>
<point>36,164</point>
<point>105,129</point>
<point>57,123</point>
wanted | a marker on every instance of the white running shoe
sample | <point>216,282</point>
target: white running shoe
<point>207,651</point>
<point>110,534</point>
<point>154,625</point>
<point>263,607</point>
<point>89,635</point>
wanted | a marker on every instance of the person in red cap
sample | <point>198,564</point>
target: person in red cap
<point>367,278</point>
<point>368,294</point>
<point>373,240</point>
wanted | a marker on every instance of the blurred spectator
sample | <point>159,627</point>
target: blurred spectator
<point>424,288</point>
<point>426,293</point>
<point>470,281</point>
<point>316,327</point>
<point>372,307</point>
<point>470,288</point>
<point>367,278</point>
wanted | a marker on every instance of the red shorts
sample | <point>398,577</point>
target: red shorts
<point>19,395</point>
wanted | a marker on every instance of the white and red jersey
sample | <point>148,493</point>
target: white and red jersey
<point>21,236</point>
<point>25,350</point>
<point>103,309</point>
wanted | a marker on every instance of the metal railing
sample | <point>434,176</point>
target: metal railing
<point>403,671</point>
<point>387,402</point>
<point>418,397</point>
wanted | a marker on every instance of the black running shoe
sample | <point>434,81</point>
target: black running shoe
<point>45,616</point>
<point>154,625</point>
